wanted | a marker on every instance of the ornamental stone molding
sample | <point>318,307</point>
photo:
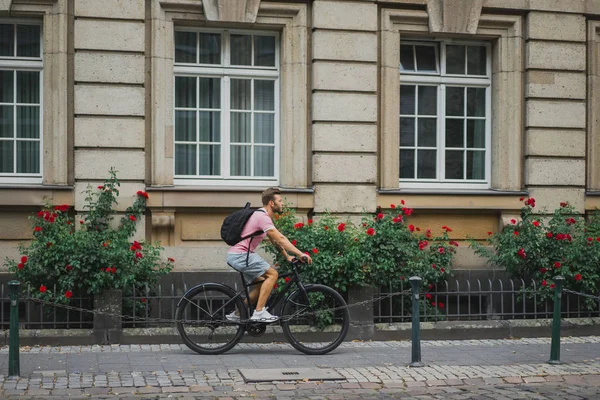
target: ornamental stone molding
<point>5,5</point>
<point>454,16</point>
<point>231,10</point>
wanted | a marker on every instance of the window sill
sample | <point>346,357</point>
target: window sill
<point>456,192</point>
<point>30,186</point>
<point>209,188</point>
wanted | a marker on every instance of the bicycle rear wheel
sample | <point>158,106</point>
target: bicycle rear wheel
<point>318,324</point>
<point>202,322</point>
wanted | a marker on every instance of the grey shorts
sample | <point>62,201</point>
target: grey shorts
<point>256,267</point>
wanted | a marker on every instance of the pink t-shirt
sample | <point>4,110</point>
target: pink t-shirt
<point>259,221</point>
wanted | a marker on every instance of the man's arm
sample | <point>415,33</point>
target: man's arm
<point>280,248</point>
<point>282,243</point>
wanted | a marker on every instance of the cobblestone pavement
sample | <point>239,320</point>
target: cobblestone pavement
<point>497,369</point>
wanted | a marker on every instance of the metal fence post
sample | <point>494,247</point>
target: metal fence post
<point>555,346</point>
<point>416,323</point>
<point>13,348</point>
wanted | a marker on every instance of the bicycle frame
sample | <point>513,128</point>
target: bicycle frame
<point>273,301</point>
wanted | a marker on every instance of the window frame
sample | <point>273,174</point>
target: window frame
<point>16,63</point>
<point>225,71</point>
<point>442,80</point>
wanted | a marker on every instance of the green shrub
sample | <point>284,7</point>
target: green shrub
<point>385,249</point>
<point>88,256</point>
<point>539,247</point>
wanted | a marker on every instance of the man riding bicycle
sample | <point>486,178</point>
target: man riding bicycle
<point>242,257</point>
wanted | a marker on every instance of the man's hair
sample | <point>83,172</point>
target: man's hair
<point>269,194</point>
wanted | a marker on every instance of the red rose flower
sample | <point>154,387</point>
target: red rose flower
<point>40,214</point>
<point>513,221</point>
<point>422,244</point>
<point>536,223</point>
<point>530,202</point>
<point>433,266</point>
<point>516,233</point>
<point>299,225</point>
<point>68,267</point>
<point>578,277</point>
<point>326,227</point>
<point>370,231</point>
<point>490,233</point>
<point>552,286</point>
<point>171,259</point>
<point>441,250</point>
<point>100,187</point>
<point>433,303</point>
<point>287,279</point>
<point>563,204</point>
<point>447,229</point>
<point>543,270</point>
<point>142,194</point>
<point>138,255</point>
<point>397,219</point>
<point>411,228</point>
<point>392,206</point>
<point>441,305</point>
<point>380,216</point>
<point>68,294</point>
<point>521,253</point>
<point>275,286</point>
<point>341,227</point>
<point>24,259</point>
<point>21,266</point>
<point>81,221</point>
<point>402,202</point>
<point>42,289</point>
<point>407,211</point>
<point>104,244</point>
<point>132,217</point>
<point>428,296</point>
<point>143,300</point>
<point>544,283</point>
<point>315,250</point>
<point>294,242</point>
<point>310,221</point>
<point>442,270</point>
<point>113,269</point>
<point>521,198</point>
<point>570,221</point>
<point>549,235</point>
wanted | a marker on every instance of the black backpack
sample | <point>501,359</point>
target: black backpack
<point>231,230</point>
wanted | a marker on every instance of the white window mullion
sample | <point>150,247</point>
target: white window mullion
<point>225,127</point>
<point>15,122</point>
<point>442,134</point>
<point>197,141</point>
<point>252,124</point>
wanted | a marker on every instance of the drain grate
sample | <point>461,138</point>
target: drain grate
<point>290,374</point>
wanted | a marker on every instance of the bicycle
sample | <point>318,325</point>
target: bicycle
<point>314,318</point>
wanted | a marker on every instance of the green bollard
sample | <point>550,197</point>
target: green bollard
<point>555,346</point>
<point>14,369</point>
<point>416,324</point>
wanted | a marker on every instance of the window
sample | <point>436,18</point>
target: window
<point>21,68</point>
<point>226,107</point>
<point>445,121</point>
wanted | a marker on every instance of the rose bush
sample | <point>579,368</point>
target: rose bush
<point>88,256</point>
<point>383,249</point>
<point>538,248</point>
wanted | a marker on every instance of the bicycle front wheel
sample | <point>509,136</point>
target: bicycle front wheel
<point>315,323</point>
<point>202,319</point>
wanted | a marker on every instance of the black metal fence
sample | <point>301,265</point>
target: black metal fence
<point>468,300</point>
<point>455,300</point>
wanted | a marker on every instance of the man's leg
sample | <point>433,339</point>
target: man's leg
<point>266,288</point>
<point>255,291</point>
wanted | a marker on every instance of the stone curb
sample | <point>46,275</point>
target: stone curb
<point>444,330</point>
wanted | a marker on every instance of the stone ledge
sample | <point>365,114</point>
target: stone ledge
<point>444,330</point>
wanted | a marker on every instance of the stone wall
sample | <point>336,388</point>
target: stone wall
<point>108,103</point>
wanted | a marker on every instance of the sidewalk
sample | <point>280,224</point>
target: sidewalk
<point>454,369</point>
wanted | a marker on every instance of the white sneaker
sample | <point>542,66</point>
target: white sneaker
<point>233,317</point>
<point>263,316</point>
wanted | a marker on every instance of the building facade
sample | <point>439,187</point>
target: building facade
<point>457,107</point>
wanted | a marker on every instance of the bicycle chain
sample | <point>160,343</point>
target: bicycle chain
<point>131,318</point>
